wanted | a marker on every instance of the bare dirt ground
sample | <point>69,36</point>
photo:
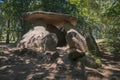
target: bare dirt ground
<point>14,66</point>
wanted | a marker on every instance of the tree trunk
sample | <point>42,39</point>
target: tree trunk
<point>1,35</point>
<point>8,32</point>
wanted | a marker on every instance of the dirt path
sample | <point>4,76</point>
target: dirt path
<point>14,66</point>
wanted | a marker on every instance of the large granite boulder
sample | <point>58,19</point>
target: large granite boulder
<point>49,36</point>
<point>33,38</point>
<point>76,40</point>
<point>49,42</point>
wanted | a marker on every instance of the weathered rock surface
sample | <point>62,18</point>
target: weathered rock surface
<point>33,38</point>
<point>76,40</point>
<point>49,36</point>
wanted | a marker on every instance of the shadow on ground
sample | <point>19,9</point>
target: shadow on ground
<point>14,66</point>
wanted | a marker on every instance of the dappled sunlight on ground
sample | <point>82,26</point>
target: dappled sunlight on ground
<point>14,66</point>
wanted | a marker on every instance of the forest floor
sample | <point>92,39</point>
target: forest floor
<point>14,66</point>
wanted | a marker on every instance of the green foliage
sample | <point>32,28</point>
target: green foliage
<point>115,43</point>
<point>63,7</point>
<point>112,45</point>
<point>111,18</point>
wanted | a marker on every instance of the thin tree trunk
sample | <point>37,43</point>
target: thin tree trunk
<point>1,35</point>
<point>14,39</point>
<point>8,32</point>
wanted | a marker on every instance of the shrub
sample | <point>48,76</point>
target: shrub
<point>112,45</point>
